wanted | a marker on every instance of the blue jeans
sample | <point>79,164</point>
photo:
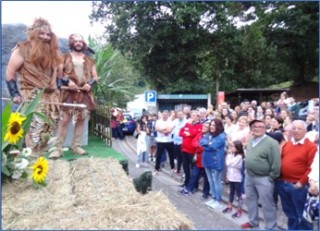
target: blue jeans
<point>293,201</point>
<point>194,178</point>
<point>243,177</point>
<point>143,157</point>
<point>214,178</point>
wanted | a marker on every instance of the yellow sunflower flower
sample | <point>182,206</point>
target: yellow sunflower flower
<point>40,170</point>
<point>14,131</point>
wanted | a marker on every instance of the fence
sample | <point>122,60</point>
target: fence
<point>100,124</point>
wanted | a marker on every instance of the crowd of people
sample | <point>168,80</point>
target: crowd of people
<point>263,152</point>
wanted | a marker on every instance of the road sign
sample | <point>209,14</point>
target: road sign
<point>150,98</point>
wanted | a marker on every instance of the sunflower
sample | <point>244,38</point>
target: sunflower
<point>40,169</point>
<point>14,131</point>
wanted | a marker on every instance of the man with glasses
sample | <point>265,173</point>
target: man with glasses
<point>262,168</point>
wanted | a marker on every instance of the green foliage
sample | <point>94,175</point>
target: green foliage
<point>194,47</point>
<point>117,75</point>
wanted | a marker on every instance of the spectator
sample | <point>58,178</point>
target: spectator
<point>164,127</point>
<point>213,160</point>
<point>235,116</point>
<point>178,123</point>
<point>152,137</point>
<point>314,186</point>
<point>260,113</point>
<point>198,169</point>
<point>293,107</point>
<point>267,121</point>
<point>203,115</point>
<point>262,166</point>
<point>191,129</point>
<point>241,132</point>
<point>234,164</point>
<point>229,126</point>
<point>187,112</point>
<point>142,145</point>
<point>287,132</point>
<point>276,124</point>
<point>297,156</point>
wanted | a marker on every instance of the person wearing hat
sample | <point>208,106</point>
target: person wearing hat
<point>79,77</point>
<point>262,168</point>
<point>38,62</point>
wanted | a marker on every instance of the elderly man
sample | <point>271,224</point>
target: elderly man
<point>262,168</point>
<point>297,156</point>
<point>80,75</point>
<point>38,62</point>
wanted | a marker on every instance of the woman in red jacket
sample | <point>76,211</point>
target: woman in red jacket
<point>198,168</point>
<point>188,133</point>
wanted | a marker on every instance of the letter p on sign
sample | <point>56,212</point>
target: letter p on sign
<point>150,97</point>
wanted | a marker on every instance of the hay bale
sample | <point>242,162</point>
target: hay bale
<point>87,194</point>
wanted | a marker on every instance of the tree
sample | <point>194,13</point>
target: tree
<point>293,27</point>
<point>167,39</point>
<point>198,47</point>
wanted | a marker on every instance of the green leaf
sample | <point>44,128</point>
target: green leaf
<point>35,185</point>
<point>43,183</point>
<point>24,175</point>
<point>5,119</point>
<point>5,171</point>
<point>42,116</point>
<point>30,108</point>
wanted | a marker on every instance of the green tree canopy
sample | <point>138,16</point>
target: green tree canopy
<point>198,47</point>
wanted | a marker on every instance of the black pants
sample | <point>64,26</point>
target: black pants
<point>160,149</point>
<point>187,161</point>
<point>178,156</point>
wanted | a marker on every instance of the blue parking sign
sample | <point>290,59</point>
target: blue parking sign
<point>150,96</point>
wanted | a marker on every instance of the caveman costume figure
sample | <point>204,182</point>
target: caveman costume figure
<point>38,62</point>
<point>79,76</point>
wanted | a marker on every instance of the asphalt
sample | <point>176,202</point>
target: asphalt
<point>203,217</point>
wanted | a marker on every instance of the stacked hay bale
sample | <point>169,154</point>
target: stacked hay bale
<point>87,194</point>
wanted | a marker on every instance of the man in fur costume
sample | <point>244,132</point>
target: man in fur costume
<point>38,62</point>
<point>80,75</point>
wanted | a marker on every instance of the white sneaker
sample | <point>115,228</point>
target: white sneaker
<point>137,165</point>
<point>210,202</point>
<point>217,205</point>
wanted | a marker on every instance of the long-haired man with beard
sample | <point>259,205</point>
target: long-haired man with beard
<point>80,75</point>
<point>38,62</point>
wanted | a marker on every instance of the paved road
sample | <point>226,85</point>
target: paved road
<point>192,206</point>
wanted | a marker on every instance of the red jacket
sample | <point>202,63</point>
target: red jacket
<point>188,133</point>
<point>199,150</point>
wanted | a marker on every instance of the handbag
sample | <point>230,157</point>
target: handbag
<point>311,208</point>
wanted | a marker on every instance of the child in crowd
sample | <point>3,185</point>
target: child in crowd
<point>142,145</point>
<point>234,162</point>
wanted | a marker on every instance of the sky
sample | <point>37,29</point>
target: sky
<point>65,17</point>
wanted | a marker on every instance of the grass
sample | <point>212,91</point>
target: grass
<point>96,148</point>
